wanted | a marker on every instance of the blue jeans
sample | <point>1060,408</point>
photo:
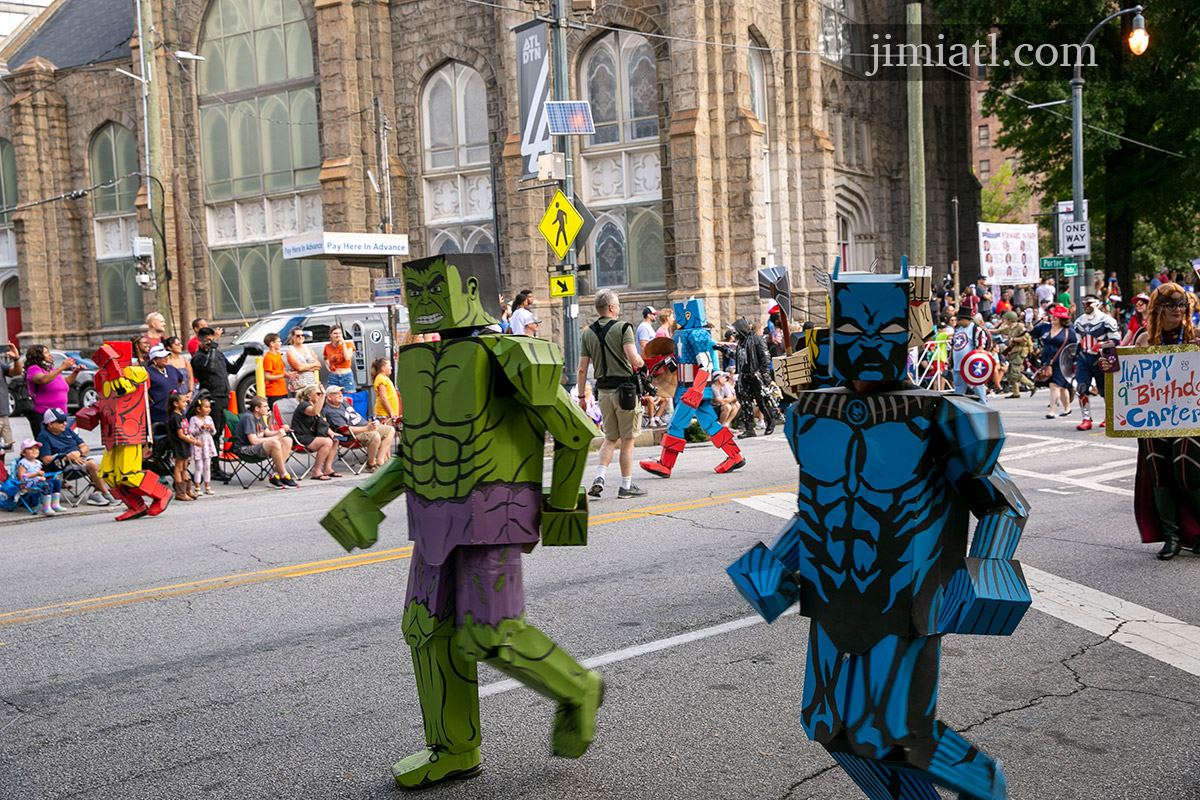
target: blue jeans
<point>962,387</point>
<point>345,380</point>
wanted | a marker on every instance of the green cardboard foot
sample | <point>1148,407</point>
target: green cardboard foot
<point>434,764</point>
<point>575,725</point>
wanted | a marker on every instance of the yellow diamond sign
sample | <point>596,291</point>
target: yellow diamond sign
<point>560,224</point>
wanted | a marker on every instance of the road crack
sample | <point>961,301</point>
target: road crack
<point>236,553</point>
<point>1080,684</point>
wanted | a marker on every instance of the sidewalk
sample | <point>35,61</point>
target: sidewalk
<point>21,431</point>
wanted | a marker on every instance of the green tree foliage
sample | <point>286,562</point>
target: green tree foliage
<point>1153,98</point>
<point>1157,249</point>
<point>1005,198</point>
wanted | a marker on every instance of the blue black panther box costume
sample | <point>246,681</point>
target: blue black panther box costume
<point>877,554</point>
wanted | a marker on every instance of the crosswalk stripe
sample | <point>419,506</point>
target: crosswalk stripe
<point>1169,640</point>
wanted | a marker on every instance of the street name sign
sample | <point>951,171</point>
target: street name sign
<point>1053,262</point>
<point>560,224</point>
<point>562,286</point>
<point>1076,240</point>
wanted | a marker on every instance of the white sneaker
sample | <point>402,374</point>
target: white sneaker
<point>97,499</point>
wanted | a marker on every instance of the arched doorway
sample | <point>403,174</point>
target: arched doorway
<point>10,298</point>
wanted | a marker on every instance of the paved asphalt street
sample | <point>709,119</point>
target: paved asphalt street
<point>230,649</point>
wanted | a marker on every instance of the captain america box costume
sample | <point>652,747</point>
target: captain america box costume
<point>694,359</point>
<point>877,554</point>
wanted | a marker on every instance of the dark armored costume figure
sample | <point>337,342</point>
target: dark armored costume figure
<point>877,553</point>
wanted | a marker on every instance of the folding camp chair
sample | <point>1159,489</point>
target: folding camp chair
<point>283,410</point>
<point>257,468</point>
<point>350,445</point>
<point>76,486</point>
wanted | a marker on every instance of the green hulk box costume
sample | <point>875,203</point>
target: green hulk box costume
<point>477,406</point>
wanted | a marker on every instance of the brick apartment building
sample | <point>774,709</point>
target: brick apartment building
<point>708,163</point>
<point>987,157</point>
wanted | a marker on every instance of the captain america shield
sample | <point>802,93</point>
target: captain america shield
<point>977,367</point>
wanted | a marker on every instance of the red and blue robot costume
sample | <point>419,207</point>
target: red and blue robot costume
<point>694,361</point>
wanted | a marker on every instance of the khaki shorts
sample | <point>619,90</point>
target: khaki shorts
<point>618,423</point>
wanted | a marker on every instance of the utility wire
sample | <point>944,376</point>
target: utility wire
<point>785,51</point>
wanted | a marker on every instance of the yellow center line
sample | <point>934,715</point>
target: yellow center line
<point>317,567</point>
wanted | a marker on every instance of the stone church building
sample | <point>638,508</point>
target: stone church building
<point>730,135</point>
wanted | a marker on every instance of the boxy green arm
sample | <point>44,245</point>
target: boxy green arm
<point>354,521</point>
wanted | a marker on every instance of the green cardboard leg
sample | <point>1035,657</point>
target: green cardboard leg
<point>531,658</point>
<point>434,764</point>
<point>448,688</point>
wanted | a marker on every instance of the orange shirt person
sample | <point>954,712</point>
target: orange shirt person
<point>337,359</point>
<point>274,372</point>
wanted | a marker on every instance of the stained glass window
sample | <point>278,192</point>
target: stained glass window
<point>621,176</point>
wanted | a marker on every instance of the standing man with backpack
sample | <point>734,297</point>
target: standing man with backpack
<point>610,345</point>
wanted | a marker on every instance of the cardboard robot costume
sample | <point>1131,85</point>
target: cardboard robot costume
<point>877,553</point>
<point>695,362</point>
<point>477,406</point>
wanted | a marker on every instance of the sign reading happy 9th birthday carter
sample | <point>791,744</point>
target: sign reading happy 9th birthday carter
<point>1156,392</point>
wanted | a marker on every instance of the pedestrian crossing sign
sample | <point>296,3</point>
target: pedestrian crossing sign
<point>560,224</point>
<point>562,286</point>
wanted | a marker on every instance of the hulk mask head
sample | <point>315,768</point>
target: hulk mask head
<point>451,291</point>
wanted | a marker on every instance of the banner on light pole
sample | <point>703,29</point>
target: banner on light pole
<point>533,90</point>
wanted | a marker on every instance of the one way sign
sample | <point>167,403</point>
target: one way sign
<point>1076,239</point>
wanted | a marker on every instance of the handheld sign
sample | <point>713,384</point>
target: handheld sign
<point>1155,392</point>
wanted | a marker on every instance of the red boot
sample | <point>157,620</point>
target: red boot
<point>161,494</point>
<point>133,501</point>
<point>672,446</point>
<point>734,458</point>
<point>1086,425</point>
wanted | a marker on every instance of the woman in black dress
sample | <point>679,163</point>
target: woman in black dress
<point>1054,341</point>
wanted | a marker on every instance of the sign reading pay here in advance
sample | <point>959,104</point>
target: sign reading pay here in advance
<point>1156,392</point>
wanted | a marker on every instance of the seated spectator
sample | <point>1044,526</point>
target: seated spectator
<point>724,398</point>
<point>63,450</point>
<point>312,431</point>
<point>252,438</point>
<point>164,379</point>
<point>32,477</point>
<point>376,437</point>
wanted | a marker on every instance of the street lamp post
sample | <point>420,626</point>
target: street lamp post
<point>1138,41</point>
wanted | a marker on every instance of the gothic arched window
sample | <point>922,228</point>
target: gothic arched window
<point>456,161</point>
<point>620,175</point>
<point>111,154</point>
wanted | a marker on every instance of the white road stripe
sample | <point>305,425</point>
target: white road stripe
<point>1164,638</point>
<point>1091,440</point>
<point>1124,462</point>
<point>643,649</point>
<point>1082,483</point>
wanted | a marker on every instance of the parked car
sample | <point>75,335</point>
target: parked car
<point>83,390</point>
<point>367,319</point>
